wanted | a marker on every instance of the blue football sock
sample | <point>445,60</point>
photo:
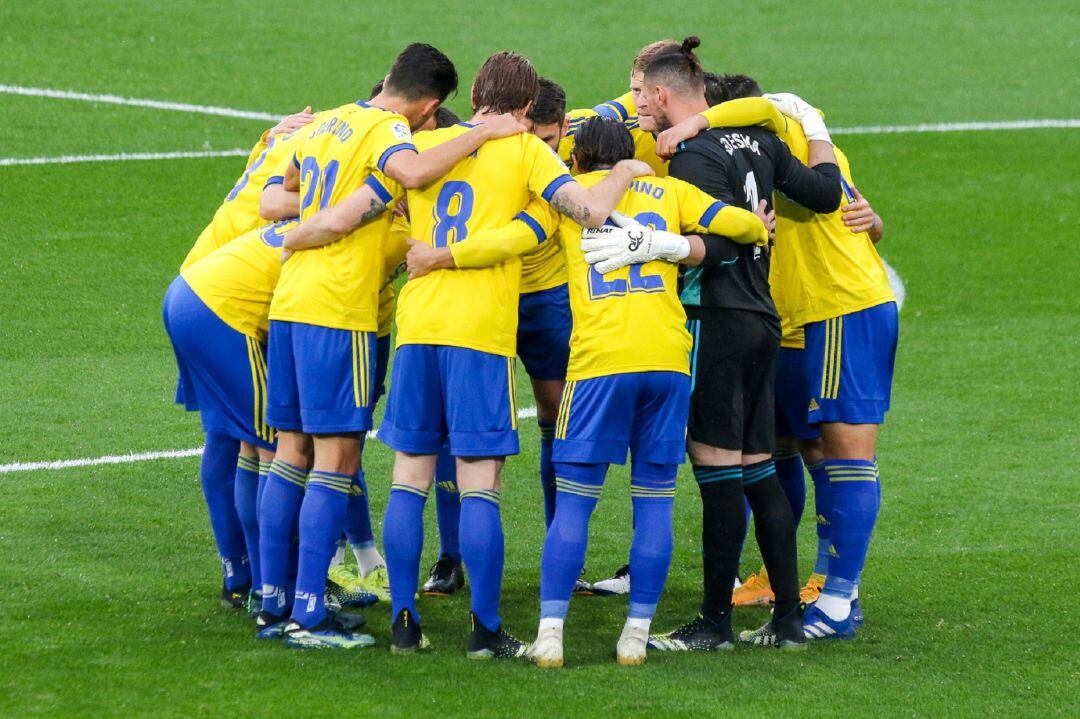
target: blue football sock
<point>282,495</point>
<point>578,486</point>
<point>448,505</point>
<point>322,516</point>
<point>789,470</point>
<point>246,493</point>
<point>358,517</point>
<point>217,473</point>
<point>823,512</point>
<point>403,540</point>
<point>855,501</point>
<point>481,537</point>
<point>547,469</point>
<point>264,471</point>
<point>650,552</point>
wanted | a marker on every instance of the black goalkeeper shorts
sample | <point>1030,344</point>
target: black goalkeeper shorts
<point>733,370</point>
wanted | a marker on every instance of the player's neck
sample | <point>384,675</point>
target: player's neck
<point>679,109</point>
<point>482,115</point>
<point>391,103</point>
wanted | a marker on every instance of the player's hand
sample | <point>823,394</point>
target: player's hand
<point>609,248</point>
<point>422,258</point>
<point>859,215</point>
<point>401,209</point>
<point>636,168</point>
<point>811,119</point>
<point>667,142</point>
<point>499,126</point>
<point>767,218</point>
<point>292,123</point>
<point>286,254</point>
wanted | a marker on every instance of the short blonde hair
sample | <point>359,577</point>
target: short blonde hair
<point>652,51</point>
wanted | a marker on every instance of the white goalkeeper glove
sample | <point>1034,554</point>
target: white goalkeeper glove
<point>813,124</point>
<point>630,243</point>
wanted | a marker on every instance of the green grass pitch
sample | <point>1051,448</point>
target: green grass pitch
<point>109,572</point>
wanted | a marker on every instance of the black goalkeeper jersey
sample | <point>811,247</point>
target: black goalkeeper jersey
<point>740,166</point>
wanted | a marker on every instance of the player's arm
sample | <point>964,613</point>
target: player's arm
<point>291,123</point>
<point>590,207</point>
<point>817,187</point>
<point>743,112</point>
<point>277,203</point>
<point>860,217</point>
<point>334,222</point>
<point>535,224</point>
<point>412,169</point>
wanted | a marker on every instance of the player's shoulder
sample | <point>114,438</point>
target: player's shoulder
<point>431,138</point>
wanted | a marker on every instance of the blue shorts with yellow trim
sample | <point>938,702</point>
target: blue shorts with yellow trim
<point>222,371</point>
<point>602,418</point>
<point>382,363</point>
<point>543,336</point>
<point>321,379</point>
<point>849,362</point>
<point>440,393</point>
<point>793,396</point>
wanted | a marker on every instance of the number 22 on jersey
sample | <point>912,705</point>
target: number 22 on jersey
<point>599,288</point>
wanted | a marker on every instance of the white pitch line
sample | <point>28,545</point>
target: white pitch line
<point>523,413</point>
<point>123,156</point>
<point>137,102</point>
<point>897,284</point>
<point>956,127</point>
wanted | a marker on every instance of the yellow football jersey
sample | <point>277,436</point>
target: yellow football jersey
<point>337,285</point>
<point>473,308</point>
<point>631,319</point>
<point>621,108</point>
<point>542,268</point>
<point>237,280</point>
<point>822,268</point>
<point>393,264</point>
<point>239,213</point>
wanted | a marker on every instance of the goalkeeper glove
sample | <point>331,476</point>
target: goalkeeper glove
<point>813,124</point>
<point>609,248</point>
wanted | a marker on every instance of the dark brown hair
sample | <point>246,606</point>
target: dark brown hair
<point>679,69</point>
<point>506,82</point>
<point>602,141</point>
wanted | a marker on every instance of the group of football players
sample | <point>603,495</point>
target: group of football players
<point>685,270</point>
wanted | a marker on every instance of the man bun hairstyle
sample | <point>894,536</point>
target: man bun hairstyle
<point>550,105</point>
<point>652,51</point>
<point>422,71</point>
<point>506,82</point>
<point>679,69</point>
<point>601,142</point>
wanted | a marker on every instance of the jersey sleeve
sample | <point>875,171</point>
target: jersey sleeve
<point>621,108</point>
<point>817,188</point>
<point>747,112</point>
<point>386,188</point>
<point>260,147</point>
<point>544,171</point>
<point>699,212</point>
<point>389,136</point>
<point>533,225</point>
<point>577,118</point>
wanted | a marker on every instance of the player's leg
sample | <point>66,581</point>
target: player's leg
<point>855,354</point>
<point>283,490</point>
<point>657,447</point>
<point>547,392</point>
<point>447,575</point>
<point>714,436</point>
<point>246,491</point>
<point>814,459</point>
<point>335,371</point>
<point>563,556</point>
<point>774,526</point>
<point>482,428</point>
<point>199,337</point>
<point>414,426</point>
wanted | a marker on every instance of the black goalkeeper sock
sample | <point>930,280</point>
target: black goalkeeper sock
<point>774,527</point>
<point>723,526</point>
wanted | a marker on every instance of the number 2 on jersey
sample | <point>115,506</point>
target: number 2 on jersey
<point>453,208</point>
<point>600,288</point>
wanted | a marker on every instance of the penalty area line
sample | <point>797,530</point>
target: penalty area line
<point>523,413</point>
<point>121,157</point>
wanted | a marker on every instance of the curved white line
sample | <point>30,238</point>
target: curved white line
<point>897,284</point>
